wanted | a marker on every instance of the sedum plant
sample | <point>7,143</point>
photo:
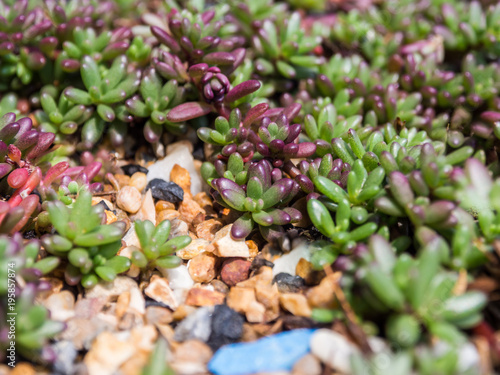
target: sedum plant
<point>88,246</point>
<point>156,247</point>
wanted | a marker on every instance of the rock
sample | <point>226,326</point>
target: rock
<point>164,205</point>
<point>235,270</point>
<point>333,349</point>
<point>207,229</point>
<point>203,199</point>
<point>131,238</point>
<point>158,315</point>
<point>189,209</point>
<point>321,296</point>
<point>191,357</point>
<point>178,228</point>
<point>179,281</point>
<point>138,180</point>
<point>240,299</point>
<point>287,283</point>
<point>305,270</point>
<point>82,331</point>
<point>226,247</point>
<point>196,326</point>
<point>165,190</point>
<point>131,169</point>
<point>227,327</point>
<point>274,353</point>
<point>61,305</point>
<point>181,177</point>
<point>295,304</point>
<point>127,251</point>
<point>196,247</point>
<point>122,179</point>
<point>307,365</point>
<point>268,296</point>
<point>23,368</point>
<point>255,312</point>
<point>65,357</point>
<point>183,311</point>
<point>179,154</point>
<point>147,210</point>
<point>263,277</point>
<point>129,199</point>
<point>203,297</point>
<point>202,267</point>
<point>118,286</point>
<point>159,290</point>
<point>288,262</point>
<point>252,248</point>
<point>169,215</point>
<point>107,354</point>
<point>219,286</point>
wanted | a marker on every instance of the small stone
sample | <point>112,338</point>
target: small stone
<point>270,299</point>
<point>235,270</point>
<point>252,248</point>
<point>107,354</point>
<point>295,304</point>
<point>82,331</point>
<point>288,283</point>
<point>23,368</point>
<point>203,297</point>
<point>255,312</point>
<point>61,305</point>
<point>147,210</point>
<point>122,304</point>
<point>196,247</point>
<point>158,315</point>
<point>227,327</point>
<point>321,296</point>
<point>164,205</point>
<point>226,247</point>
<point>138,180</point>
<point>110,217</point>
<point>127,251</point>
<point>181,177</point>
<point>202,267</point>
<point>167,191</point>
<point>189,209</point>
<point>179,280</point>
<point>262,278</point>
<point>179,228</point>
<point>129,199</point>
<point>169,215</point>
<point>111,291</point>
<point>196,325</point>
<point>191,357</point>
<point>104,202</point>
<point>183,311</point>
<point>159,290</point>
<point>333,349</point>
<point>240,299</point>
<point>65,357</point>
<point>288,262</point>
<point>131,169</point>
<point>219,286</point>
<point>122,179</point>
<point>207,229</point>
<point>307,365</point>
<point>203,199</point>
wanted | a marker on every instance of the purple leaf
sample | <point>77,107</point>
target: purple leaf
<point>306,149</point>
<point>242,90</point>
<point>188,111</point>
<point>166,39</point>
<point>255,113</point>
<point>242,227</point>
<point>219,58</point>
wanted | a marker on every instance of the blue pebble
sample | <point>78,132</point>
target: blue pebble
<point>274,353</point>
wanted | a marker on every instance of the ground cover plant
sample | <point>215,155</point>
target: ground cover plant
<point>237,187</point>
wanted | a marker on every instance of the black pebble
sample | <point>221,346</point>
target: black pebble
<point>130,169</point>
<point>288,283</point>
<point>167,191</point>
<point>227,327</point>
<point>259,262</point>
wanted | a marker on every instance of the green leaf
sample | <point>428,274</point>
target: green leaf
<point>144,230</point>
<point>384,287</point>
<point>105,273</point>
<point>168,262</point>
<point>118,264</point>
<point>320,217</point>
<point>330,189</point>
<point>90,73</point>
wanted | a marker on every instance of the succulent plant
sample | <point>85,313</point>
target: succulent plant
<point>89,246</point>
<point>260,202</point>
<point>21,272</point>
<point>156,247</point>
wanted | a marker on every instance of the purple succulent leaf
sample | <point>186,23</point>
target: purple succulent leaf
<point>226,184</point>
<point>242,227</point>
<point>280,217</point>
<point>262,170</point>
<point>27,140</point>
<point>306,149</point>
<point>262,218</point>
<point>219,58</point>
<point>234,199</point>
<point>400,188</point>
<point>5,170</point>
<point>9,131</point>
<point>277,192</point>
<point>276,174</point>
<point>254,113</point>
<point>292,111</point>
<point>188,111</point>
<point>490,116</point>
<point>305,183</point>
<point>166,39</point>
<point>293,132</point>
<point>273,232</point>
<point>295,215</point>
<point>242,90</point>
<point>276,145</point>
<point>291,150</point>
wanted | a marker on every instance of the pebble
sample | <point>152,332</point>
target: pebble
<point>191,358</point>
<point>203,297</point>
<point>219,286</point>
<point>159,290</point>
<point>208,229</point>
<point>321,296</point>
<point>164,205</point>
<point>307,365</point>
<point>181,177</point>
<point>226,247</point>
<point>158,315</point>
<point>66,354</point>
<point>178,228</point>
<point>235,270</point>
<point>226,328</point>
<point>107,354</point>
<point>269,297</point>
<point>203,199</point>
<point>240,299</point>
<point>61,305</point>
<point>180,154</point>
<point>131,169</point>
<point>196,247</point>
<point>179,281</point>
<point>189,209</point>
<point>138,180</point>
<point>123,180</point>
<point>288,262</point>
<point>287,283</point>
<point>113,289</point>
<point>305,270</point>
<point>274,353</point>
<point>23,368</point>
<point>169,215</point>
<point>295,304</point>
<point>202,268</point>
<point>82,331</point>
<point>167,191</point>
<point>196,326</point>
<point>147,210</point>
<point>129,199</point>
<point>333,349</point>
<point>110,217</point>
